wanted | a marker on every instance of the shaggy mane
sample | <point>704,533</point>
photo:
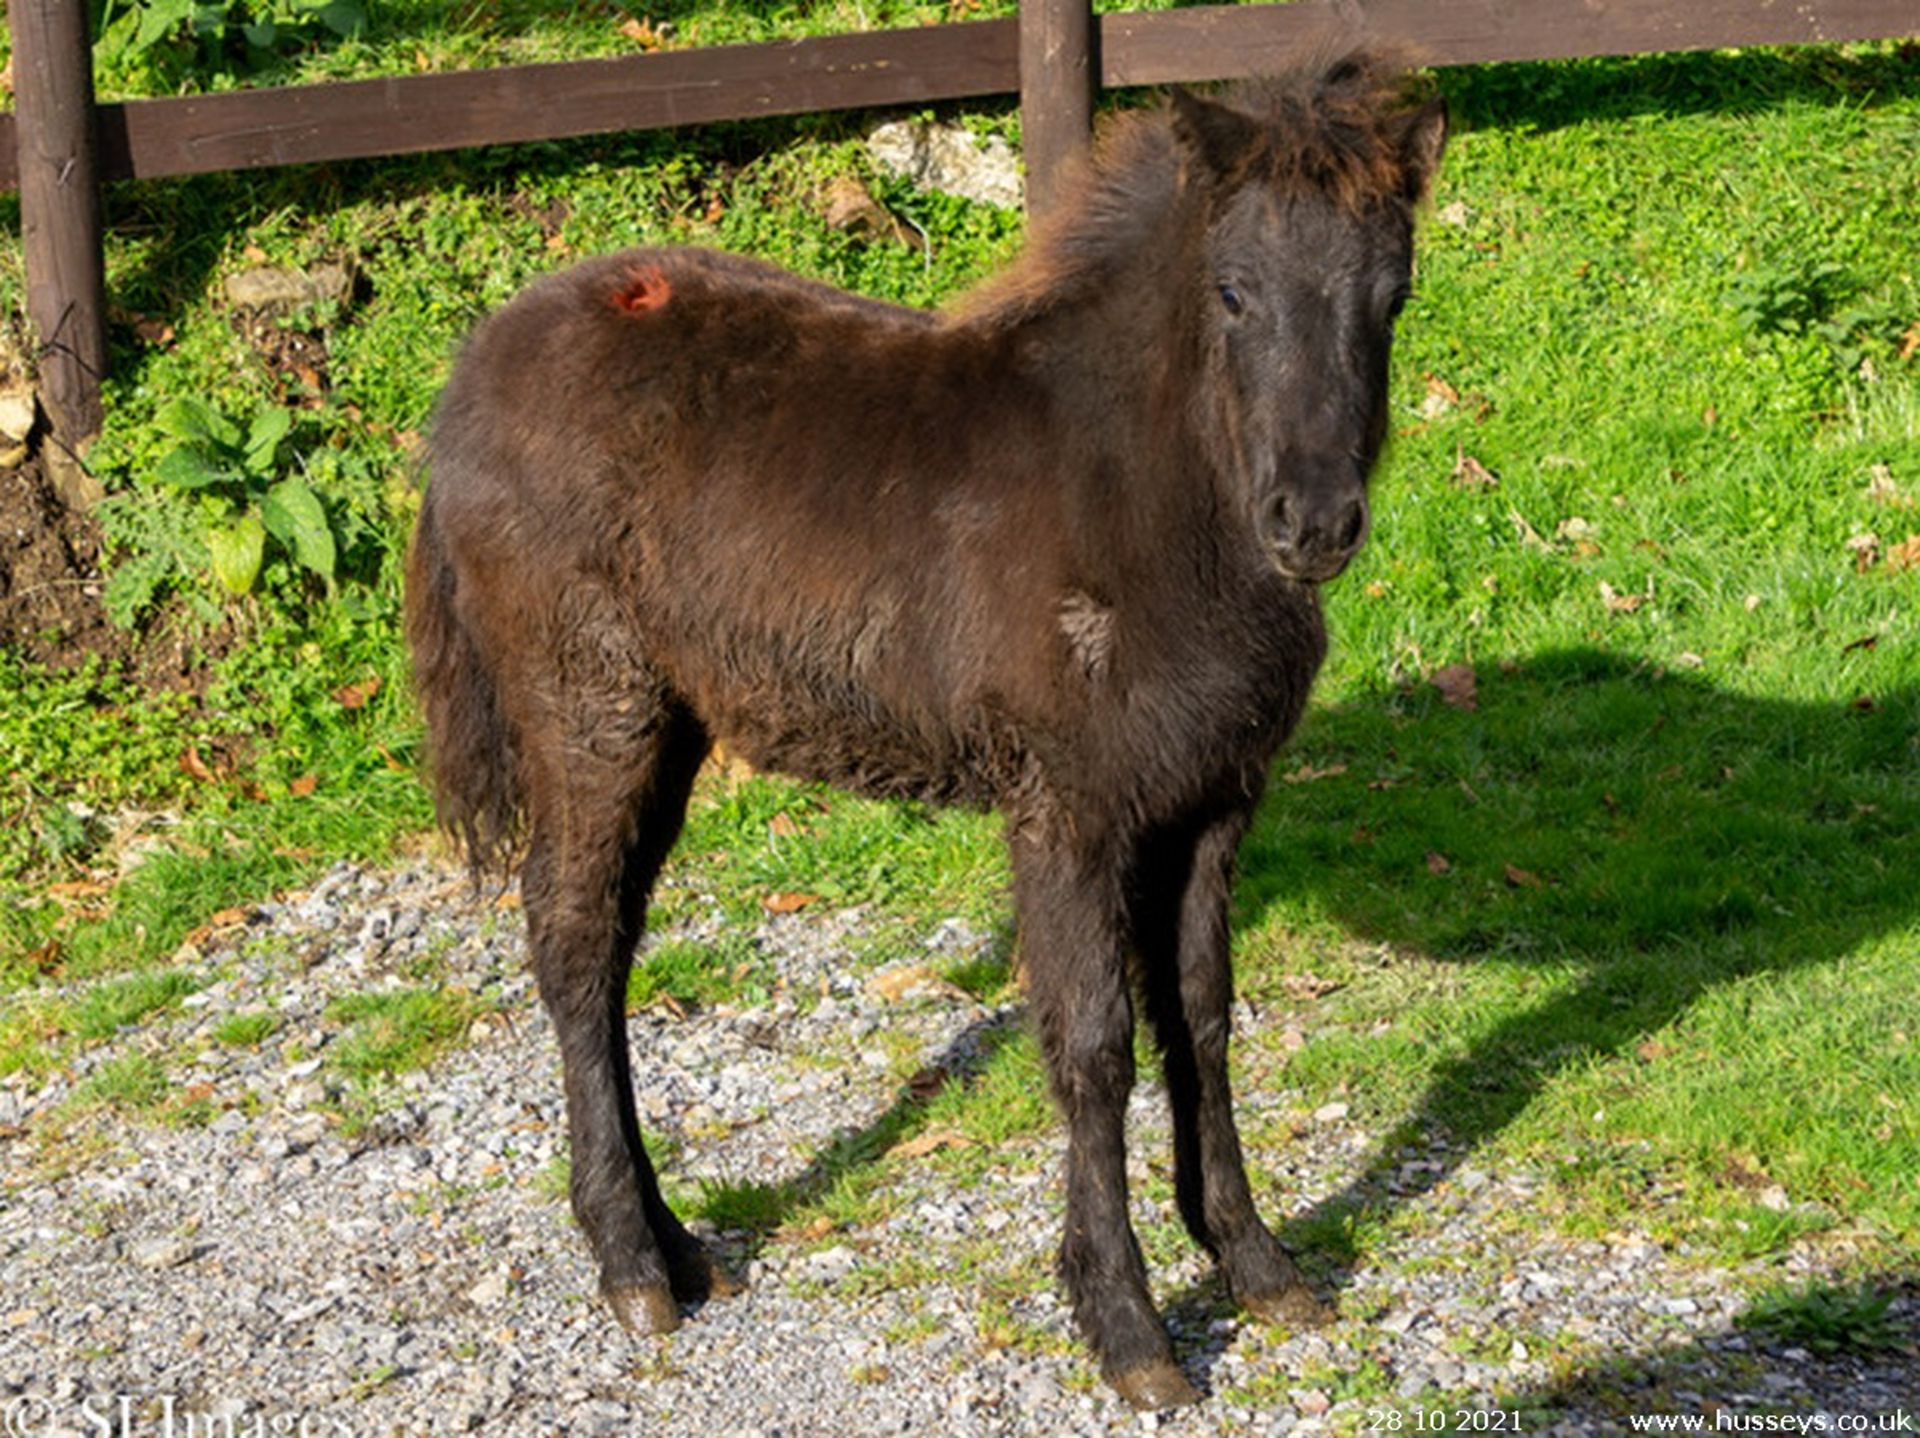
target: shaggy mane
<point>1331,126</point>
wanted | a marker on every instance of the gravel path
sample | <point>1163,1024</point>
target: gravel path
<point>418,1272</point>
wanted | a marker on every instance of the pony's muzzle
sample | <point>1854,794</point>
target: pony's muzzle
<point>1312,535</point>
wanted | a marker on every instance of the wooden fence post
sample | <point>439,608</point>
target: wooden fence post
<point>1057,73</point>
<point>60,226</point>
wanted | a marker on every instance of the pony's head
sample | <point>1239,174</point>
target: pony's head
<point>1306,188</point>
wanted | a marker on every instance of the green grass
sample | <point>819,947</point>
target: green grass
<point>1642,920</point>
<point>131,1085</point>
<point>395,1030</point>
<point>245,1030</point>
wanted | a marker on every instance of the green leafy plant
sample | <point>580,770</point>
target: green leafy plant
<point>244,503</point>
<point>170,37</point>
<point>1828,1319</point>
<point>1790,299</point>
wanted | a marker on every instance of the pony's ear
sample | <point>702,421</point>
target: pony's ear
<point>1422,143</point>
<point>1219,136</point>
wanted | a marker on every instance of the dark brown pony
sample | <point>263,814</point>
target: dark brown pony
<point>1054,552</point>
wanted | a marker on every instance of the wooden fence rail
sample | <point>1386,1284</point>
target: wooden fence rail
<point>1054,56</point>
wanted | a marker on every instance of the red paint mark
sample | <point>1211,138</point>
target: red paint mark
<point>646,288</point>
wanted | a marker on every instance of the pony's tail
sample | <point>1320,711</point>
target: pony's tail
<point>471,754</point>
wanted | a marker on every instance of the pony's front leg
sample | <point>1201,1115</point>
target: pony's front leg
<point>1180,900</point>
<point>1072,949</point>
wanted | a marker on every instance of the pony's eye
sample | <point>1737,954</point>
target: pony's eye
<point>1230,297</point>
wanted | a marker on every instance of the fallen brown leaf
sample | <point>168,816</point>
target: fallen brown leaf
<point>1441,397</point>
<point>894,984</point>
<point>925,1143</point>
<point>927,1082</point>
<point>781,826</point>
<point>78,889</point>
<point>1310,986</point>
<point>1469,473</point>
<point>1457,686</point>
<point>1519,878</point>
<point>785,903</point>
<point>1742,1172</point>
<point>847,205</point>
<point>641,33</point>
<point>1883,489</point>
<point>194,766</point>
<point>148,328</point>
<point>303,786</point>
<point>1306,773</point>
<point>1618,603</point>
<point>1865,641</point>
<point>1910,342</point>
<point>1905,554</point>
<point>1865,548</point>
<point>1438,863</point>
<point>1529,536</point>
<point>1651,1050</point>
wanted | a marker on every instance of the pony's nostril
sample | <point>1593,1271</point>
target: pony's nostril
<point>1354,527</point>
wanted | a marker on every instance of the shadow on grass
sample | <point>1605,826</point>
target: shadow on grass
<point>1844,1348</point>
<point>1788,1357</point>
<point>1657,835</point>
<point>1547,96</point>
<point>1833,1347</point>
<point>751,1213</point>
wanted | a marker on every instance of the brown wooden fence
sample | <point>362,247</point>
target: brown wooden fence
<point>59,145</point>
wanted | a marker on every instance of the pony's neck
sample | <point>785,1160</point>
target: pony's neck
<point>1102,312</point>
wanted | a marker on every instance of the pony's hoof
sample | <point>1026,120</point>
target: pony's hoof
<point>1153,1386</point>
<point>721,1284</point>
<point>647,1309</point>
<point>1297,1306</point>
<point>700,1279</point>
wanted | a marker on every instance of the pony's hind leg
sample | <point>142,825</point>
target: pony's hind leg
<point>1179,909</point>
<point>605,815</point>
<point>691,1273</point>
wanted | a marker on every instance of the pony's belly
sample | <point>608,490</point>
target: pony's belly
<point>875,762</point>
<point>848,739</point>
